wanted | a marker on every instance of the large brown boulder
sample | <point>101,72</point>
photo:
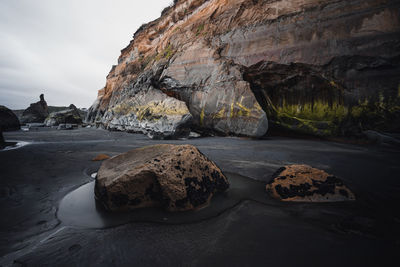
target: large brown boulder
<point>176,177</point>
<point>8,120</point>
<point>36,112</point>
<point>306,184</point>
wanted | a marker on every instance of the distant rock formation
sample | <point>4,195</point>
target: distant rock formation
<point>36,112</point>
<point>67,116</point>
<point>175,177</point>
<point>327,67</point>
<point>8,120</point>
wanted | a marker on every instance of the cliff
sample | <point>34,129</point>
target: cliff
<point>322,67</point>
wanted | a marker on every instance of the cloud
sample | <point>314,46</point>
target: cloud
<point>64,49</point>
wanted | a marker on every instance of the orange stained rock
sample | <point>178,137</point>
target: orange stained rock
<point>101,157</point>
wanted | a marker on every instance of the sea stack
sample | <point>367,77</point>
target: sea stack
<point>36,112</point>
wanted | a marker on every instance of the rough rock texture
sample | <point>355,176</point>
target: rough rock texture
<point>150,112</point>
<point>8,120</point>
<point>205,53</point>
<point>36,112</point>
<point>70,115</point>
<point>176,177</point>
<point>322,100</point>
<point>306,184</point>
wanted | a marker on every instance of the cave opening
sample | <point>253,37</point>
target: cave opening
<point>297,98</point>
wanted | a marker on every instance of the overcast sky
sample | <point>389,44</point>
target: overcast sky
<point>64,48</point>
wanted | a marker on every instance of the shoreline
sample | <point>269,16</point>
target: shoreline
<point>37,177</point>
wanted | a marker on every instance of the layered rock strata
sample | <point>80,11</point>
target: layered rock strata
<point>175,177</point>
<point>337,65</point>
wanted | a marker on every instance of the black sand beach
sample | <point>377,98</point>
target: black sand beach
<point>243,228</point>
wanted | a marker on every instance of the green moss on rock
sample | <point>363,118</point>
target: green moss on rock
<point>151,111</point>
<point>302,98</point>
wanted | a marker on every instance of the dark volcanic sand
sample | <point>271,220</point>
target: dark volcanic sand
<point>243,228</point>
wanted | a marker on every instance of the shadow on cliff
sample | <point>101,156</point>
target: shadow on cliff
<point>345,97</point>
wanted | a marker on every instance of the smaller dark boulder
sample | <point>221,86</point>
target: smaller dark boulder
<point>8,120</point>
<point>36,112</point>
<point>303,183</point>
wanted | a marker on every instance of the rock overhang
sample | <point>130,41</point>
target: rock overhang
<point>204,44</point>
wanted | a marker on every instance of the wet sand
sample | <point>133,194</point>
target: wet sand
<point>245,227</point>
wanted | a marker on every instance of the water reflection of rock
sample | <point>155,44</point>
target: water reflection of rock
<point>79,207</point>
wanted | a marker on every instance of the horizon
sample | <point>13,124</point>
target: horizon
<point>39,39</point>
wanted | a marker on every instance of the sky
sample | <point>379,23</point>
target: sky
<point>64,48</point>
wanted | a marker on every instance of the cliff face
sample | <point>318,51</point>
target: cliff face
<point>323,67</point>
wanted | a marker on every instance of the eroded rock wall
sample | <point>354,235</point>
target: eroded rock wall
<point>199,52</point>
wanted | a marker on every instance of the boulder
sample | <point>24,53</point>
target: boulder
<point>303,183</point>
<point>36,112</point>
<point>70,115</point>
<point>8,120</point>
<point>150,112</point>
<point>175,177</point>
